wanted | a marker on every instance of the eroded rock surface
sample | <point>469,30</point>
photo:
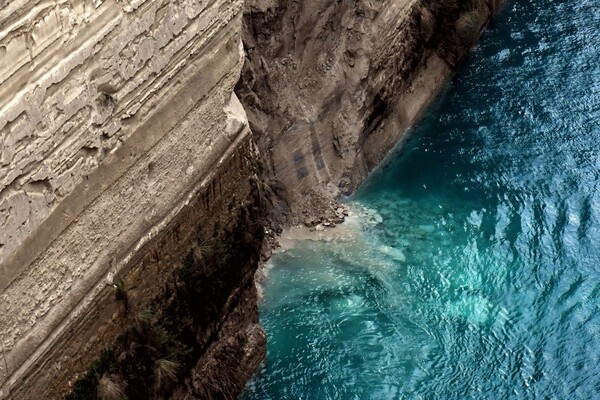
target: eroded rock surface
<point>132,197</point>
<point>331,86</point>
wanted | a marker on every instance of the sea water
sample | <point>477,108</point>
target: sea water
<point>475,269</point>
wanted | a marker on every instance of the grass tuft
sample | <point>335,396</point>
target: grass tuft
<point>165,372</point>
<point>111,387</point>
<point>469,24</point>
<point>427,21</point>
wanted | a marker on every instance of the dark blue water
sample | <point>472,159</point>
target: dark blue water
<point>474,271</point>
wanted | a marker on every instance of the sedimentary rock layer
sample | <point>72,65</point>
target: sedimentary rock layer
<point>77,79</point>
<point>113,116</point>
<point>125,156</point>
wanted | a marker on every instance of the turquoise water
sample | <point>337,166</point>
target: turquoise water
<point>475,269</point>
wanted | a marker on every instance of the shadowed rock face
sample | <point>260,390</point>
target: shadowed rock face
<point>330,87</point>
<point>187,319</point>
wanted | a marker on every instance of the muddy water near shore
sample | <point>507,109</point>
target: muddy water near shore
<point>471,267</point>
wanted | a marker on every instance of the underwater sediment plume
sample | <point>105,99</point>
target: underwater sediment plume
<point>153,152</point>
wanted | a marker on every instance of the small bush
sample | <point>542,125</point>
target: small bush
<point>203,250</point>
<point>469,23</point>
<point>86,387</point>
<point>427,21</point>
<point>165,372</point>
<point>143,320</point>
<point>121,295</point>
<point>111,387</point>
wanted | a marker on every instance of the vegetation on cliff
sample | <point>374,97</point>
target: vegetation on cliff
<point>162,344</point>
<point>452,26</point>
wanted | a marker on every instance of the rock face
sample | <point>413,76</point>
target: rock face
<point>331,86</point>
<point>121,145</point>
<point>132,201</point>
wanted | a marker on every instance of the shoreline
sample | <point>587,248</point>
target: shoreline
<point>349,230</point>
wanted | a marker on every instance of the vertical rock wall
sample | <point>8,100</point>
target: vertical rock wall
<point>331,86</point>
<point>113,118</point>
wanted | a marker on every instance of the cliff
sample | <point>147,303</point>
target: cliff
<point>118,130</point>
<point>331,87</point>
<point>133,193</point>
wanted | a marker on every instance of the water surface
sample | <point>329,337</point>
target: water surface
<point>476,269</point>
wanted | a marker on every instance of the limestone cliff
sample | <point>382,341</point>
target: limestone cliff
<point>116,119</point>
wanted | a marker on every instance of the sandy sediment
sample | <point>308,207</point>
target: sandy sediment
<point>347,231</point>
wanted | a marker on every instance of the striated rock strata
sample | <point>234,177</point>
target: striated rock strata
<point>121,145</point>
<point>132,198</point>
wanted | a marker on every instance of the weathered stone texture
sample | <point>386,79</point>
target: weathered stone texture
<point>111,114</point>
<point>343,82</point>
<point>75,77</point>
